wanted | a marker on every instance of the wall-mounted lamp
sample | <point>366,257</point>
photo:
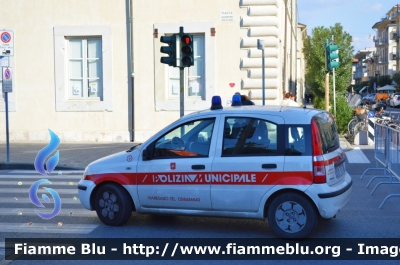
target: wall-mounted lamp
<point>213,31</point>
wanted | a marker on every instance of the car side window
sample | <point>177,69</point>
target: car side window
<point>191,139</point>
<point>296,140</point>
<point>244,136</point>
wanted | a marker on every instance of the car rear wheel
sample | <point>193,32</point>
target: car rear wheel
<point>291,215</point>
<point>113,205</point>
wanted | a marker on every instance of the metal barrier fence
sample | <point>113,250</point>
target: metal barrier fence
<point>394,152</point>
<point>387,155</point>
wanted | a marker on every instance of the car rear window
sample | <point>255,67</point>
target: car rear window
<point>328,132</point>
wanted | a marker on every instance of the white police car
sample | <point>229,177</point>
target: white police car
<point>280,163</point>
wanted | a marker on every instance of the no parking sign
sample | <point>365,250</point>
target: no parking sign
<point>6,42</point>
<point>7,80</point>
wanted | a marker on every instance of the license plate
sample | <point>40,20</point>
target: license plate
<point>340,170</point>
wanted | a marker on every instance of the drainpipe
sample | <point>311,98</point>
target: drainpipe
<point>130,64</point>
<point>285,51</point>
<point>291,49</point>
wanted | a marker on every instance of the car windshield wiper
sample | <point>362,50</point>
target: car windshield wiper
<point>331,148</point>
<point>133,148</point>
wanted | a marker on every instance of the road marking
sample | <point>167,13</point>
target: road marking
<point>55,173</point>
<point>356,156</point>
<point>38,176</point>
<point>25,199</point>
<point>31,212</point>
<point>54,182</point>
<point>47,228</point>
<point>26,190</point>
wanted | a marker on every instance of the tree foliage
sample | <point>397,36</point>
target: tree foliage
<point>314,52</point>
<point>383,80</point>
<point>396,79</point>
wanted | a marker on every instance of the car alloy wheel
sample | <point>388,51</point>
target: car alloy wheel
<point>113,205</point>
<point>291,215</point>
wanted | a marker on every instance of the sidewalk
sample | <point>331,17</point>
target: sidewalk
<point>73,156</point>
<point>344,144</point>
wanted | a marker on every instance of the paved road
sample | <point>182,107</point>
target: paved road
<point>361,218</point>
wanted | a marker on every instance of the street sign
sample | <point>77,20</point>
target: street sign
<point>4,61</point>
<point>6,43</point>
<point>7,80</point>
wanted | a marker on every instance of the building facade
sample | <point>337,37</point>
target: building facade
<point>386,40</point>
<point>364,65</point>
<point>91,72</point>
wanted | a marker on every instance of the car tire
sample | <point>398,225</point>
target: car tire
<point>291,215</point>
<point>113,205</point>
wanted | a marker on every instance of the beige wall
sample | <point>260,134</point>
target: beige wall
<point>34,69</point>
<point>231,58</point>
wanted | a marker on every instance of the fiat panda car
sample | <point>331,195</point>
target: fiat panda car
<point>283,164</point>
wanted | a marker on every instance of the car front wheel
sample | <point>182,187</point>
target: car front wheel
<point>291,215</point>
<point>113,205</point>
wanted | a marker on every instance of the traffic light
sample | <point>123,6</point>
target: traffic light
<point>187,58</point>
<point>332,56</point>
<point>170,50</point>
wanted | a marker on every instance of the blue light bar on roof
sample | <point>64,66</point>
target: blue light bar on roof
<point>236,100</point>
<point>216,103</point>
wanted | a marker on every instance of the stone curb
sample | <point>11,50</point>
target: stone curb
<point>28,166</point>
<point>348,145</point>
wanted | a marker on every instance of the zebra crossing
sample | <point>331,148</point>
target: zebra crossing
<point>357,156</point>
<point>17,213</point>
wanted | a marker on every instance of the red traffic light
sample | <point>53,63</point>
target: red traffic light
<point>186,39</point>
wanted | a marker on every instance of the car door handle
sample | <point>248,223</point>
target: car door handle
<point>198,167</point>
<point>265,166</point>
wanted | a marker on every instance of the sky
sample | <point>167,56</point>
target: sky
<point>356,17</point>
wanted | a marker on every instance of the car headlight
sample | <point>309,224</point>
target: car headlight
<point>86,172</point>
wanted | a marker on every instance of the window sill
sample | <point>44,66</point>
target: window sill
<point>190,105</point>
<point>83,105</point>
<point>84,99</point>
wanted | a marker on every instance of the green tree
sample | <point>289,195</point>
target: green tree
<point>314,52</point>
<point>396,79</point>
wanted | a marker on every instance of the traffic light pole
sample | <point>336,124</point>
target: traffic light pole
<point>181,81</point>
<point>181,91</point>
<point>334,88</point>
<point>327,91</point>
<point>334,92</point>
<point>180,54</point>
